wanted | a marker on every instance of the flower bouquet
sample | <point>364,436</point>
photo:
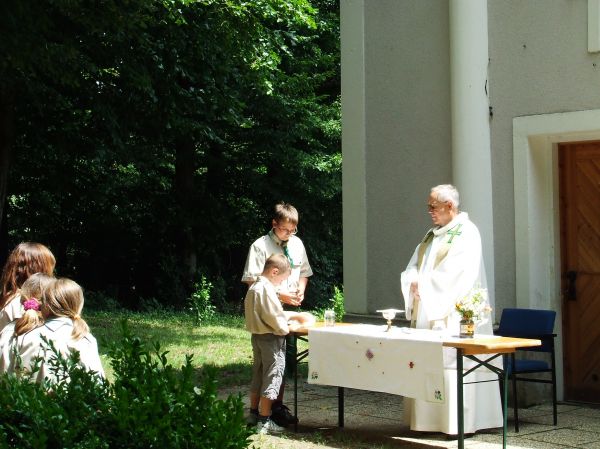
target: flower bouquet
<point>473,308</point>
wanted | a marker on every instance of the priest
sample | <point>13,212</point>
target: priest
<point>445,267</point>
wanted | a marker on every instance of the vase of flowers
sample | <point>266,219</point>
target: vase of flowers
<point>467,328</point>
<point>472,308</point>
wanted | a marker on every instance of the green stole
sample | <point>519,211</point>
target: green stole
<point>441,254</point>
<point>444,246</point>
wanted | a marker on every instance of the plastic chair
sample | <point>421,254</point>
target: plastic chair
<point>530,323</point>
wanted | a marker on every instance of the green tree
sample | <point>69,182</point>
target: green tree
<point>149,139</point>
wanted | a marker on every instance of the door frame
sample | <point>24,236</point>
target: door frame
<point>537,220</point>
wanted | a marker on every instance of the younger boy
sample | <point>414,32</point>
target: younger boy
<point>267,322</point>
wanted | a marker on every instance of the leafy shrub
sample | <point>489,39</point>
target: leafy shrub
<point>335,303</point>
<point>153,305</point>
<point>149,405</point>
<point>338,303</point>
<point>200,301</point>
<point>97,300</point>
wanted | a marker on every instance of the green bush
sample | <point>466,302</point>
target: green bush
<point>335,303</point>
<point>338,303</point>
<point>200,302</point>
<point>150,405</point>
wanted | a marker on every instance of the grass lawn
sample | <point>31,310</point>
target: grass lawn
<point>223,343</point>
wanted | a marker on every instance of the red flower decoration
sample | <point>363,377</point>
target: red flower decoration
<point>411,365</point>
<point>369,354</point>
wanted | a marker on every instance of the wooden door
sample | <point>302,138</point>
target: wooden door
<point>579,167</point>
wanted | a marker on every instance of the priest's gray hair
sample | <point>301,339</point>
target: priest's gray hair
<point>446,193</point>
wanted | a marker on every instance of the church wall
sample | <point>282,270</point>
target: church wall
<point>539,64</point>
<point>407,140</point>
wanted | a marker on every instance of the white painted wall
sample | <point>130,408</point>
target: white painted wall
<point>396,138</point>
<point>539,64</point>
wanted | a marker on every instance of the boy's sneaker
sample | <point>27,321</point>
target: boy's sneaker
<point>282,415</point>
<point>252,418</point>
<point>268,427</point>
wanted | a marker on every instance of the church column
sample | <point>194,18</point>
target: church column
<point>471,146</point>
<point>354,195</point>
<point>593,26</point>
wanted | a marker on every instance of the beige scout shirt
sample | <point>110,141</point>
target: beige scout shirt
<point>30,347</point>
<point>12,311</point>
<point>270,244</point>
<point>263,311</point>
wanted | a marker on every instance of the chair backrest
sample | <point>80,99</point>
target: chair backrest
<point>526,323</point>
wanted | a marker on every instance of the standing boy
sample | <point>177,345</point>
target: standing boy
<point>281,239</point>
<point>267,322</point>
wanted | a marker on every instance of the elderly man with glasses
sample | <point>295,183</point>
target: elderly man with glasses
<point>444,268</point>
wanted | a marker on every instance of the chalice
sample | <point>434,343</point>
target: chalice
<point>389,315</point>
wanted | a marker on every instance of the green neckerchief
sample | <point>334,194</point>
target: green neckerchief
<point>283,244</point>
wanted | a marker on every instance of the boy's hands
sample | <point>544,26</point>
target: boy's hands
<point>290,298</point>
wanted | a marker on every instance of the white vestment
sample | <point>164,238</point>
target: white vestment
<point>446,266</point>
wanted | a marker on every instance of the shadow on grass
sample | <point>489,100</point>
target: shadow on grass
<point>230,375</point>
<point>360,438</point>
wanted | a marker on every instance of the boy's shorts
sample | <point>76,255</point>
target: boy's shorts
<point>268,352</point>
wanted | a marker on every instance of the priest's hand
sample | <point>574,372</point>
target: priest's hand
<point>414,290</point>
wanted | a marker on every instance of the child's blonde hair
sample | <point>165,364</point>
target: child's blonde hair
<point>278,261</point>
<point>31,293</point>
<point>64,297</point>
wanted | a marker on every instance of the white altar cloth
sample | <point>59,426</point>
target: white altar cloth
<point>406,362</point>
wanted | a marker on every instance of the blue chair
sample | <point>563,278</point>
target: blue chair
<point>530,323</point>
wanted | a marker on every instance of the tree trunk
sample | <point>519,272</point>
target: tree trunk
<point>7,117</point>
<point>184,190</point>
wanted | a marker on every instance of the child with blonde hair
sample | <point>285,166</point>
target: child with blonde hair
<point>268,324</point>
<point>29,296</point>
<point>26,259</point>
<point>60,322</point>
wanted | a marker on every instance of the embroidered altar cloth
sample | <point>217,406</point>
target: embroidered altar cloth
<point>402,361</point>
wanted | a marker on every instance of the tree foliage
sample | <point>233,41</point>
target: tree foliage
<point>148,140</point>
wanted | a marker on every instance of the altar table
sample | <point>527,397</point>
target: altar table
<point>395,359</point>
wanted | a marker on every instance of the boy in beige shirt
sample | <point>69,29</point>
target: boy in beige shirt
<point>267,322</point>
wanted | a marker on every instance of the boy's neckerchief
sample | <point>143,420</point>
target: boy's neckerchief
<point>283,244</point>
